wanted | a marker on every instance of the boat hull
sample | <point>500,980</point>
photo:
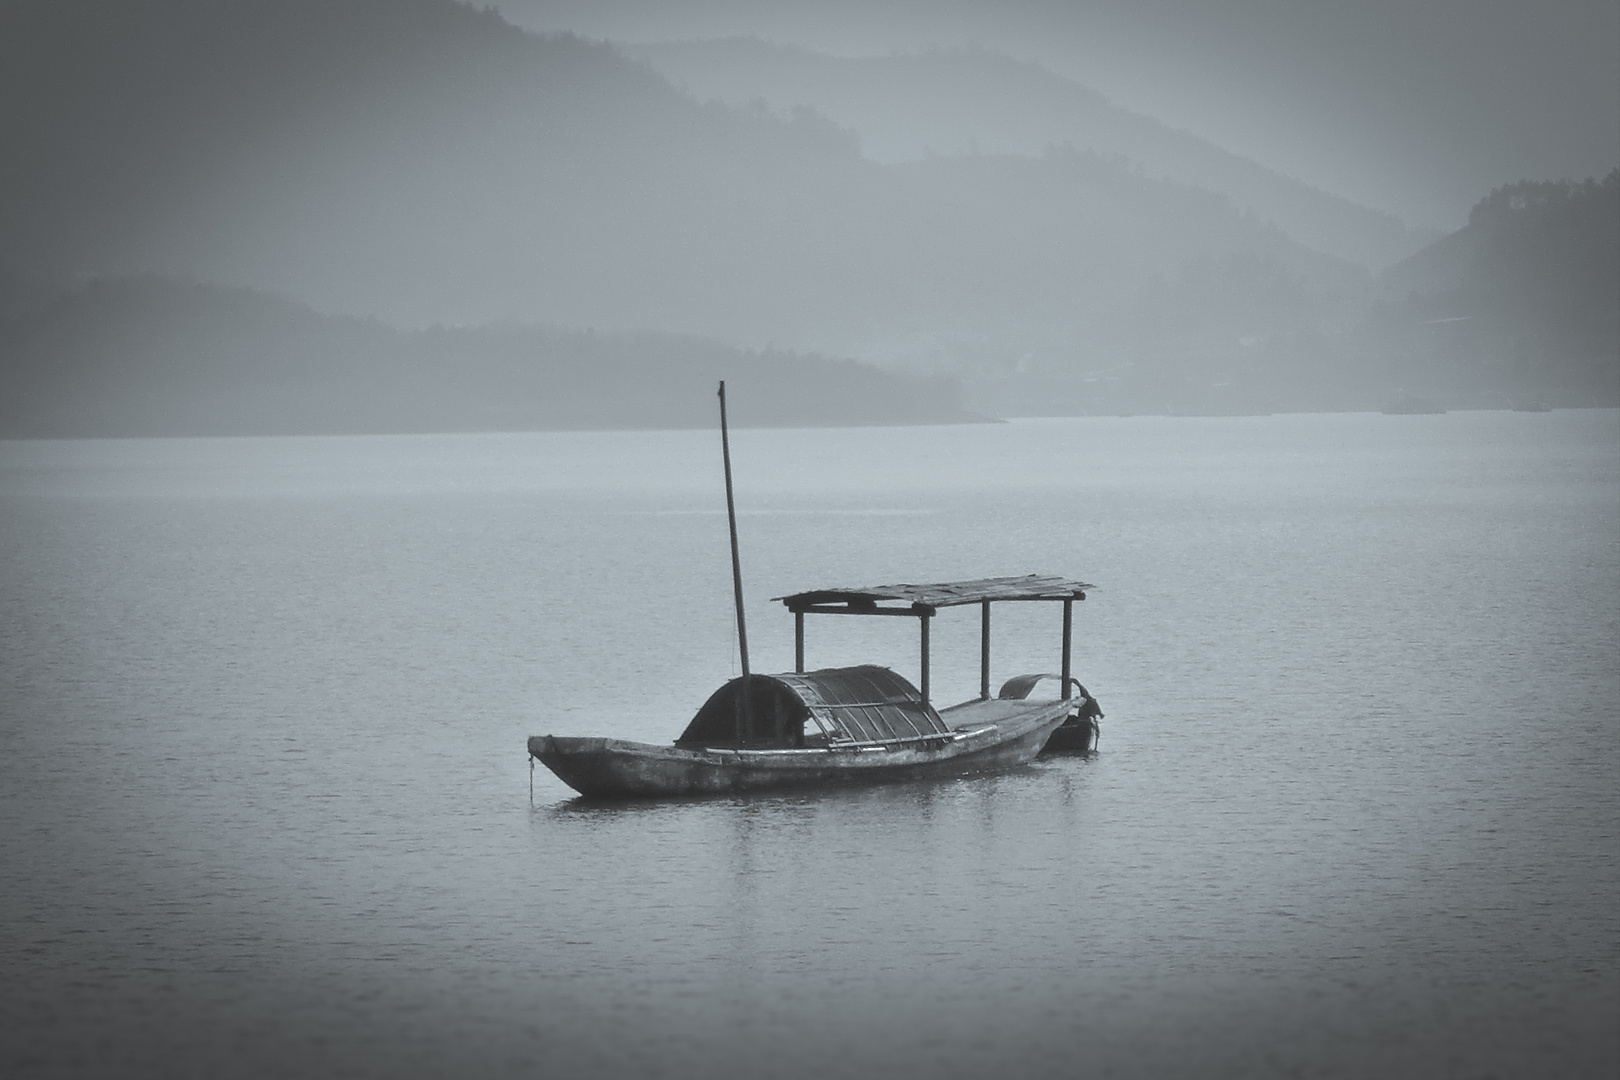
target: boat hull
<point>1072,737</point>
<point>616,768</point>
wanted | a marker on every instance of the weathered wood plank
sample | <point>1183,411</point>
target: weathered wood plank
<point>939,594</point>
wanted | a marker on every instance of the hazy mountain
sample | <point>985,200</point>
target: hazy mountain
<point>1417,107</point>
<point>909,108</point>
<point>151,356</point>
<point>422,161</point>
<point>1524,300</point>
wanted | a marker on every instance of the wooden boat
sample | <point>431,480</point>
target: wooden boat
<point>852,725</point>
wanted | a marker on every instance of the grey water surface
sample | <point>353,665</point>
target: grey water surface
<point>265,807</point>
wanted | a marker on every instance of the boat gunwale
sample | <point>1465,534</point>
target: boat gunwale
<point>601,767</point>
<point>952,744</point>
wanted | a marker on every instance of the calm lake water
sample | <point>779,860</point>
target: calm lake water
<point>265,805</point>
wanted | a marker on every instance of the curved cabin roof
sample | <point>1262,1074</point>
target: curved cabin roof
<point>866,704</point>
<point>941,594</point>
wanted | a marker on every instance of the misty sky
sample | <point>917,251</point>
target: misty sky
<point>1418,107</point>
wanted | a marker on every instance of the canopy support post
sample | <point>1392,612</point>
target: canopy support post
<point>923,617</point>
<point>1068,638</point>
<point>798,642</point>
<point>984,651</point>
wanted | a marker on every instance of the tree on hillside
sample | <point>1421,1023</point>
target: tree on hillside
<point>1523,303</point>
<point>1550,261</point>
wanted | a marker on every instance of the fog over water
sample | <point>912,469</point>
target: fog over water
<point>1412,106</point>
<point>313,217</point>
<point>357,376</point>
<point>265,807</point>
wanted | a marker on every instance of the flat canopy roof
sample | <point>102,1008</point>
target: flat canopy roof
<point>941,594</point>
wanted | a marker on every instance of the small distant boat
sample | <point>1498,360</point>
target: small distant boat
<point>837,726</point>
<point>1412,406</point>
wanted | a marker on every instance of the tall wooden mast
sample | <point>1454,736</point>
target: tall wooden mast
<point>736,566</point>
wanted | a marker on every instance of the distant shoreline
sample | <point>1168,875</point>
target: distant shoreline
<point>975,422</point>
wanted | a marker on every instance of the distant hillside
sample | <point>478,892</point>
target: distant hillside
<point>909,108</point>
<point>149,356</point>
<point>1525,299</point>
<point>423,161</point>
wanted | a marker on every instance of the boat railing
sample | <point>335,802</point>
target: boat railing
<point>899,740</point>
<point>862,744</point>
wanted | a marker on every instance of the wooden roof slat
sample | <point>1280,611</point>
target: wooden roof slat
<point>947,593</point>
<point>865,703</point>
